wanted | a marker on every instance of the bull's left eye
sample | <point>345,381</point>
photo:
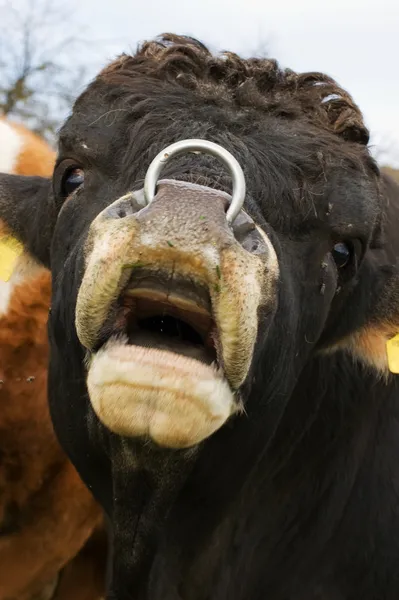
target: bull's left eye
<point>342,254</point>
<point>72,179</point>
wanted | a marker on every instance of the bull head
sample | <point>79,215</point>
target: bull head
<point>197,325</point>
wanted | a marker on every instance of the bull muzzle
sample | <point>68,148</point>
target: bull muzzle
<point>168,308</point>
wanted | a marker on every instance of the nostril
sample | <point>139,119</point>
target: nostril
<point>124,207</point>
<point>247,234</point>
<point>255,246</point>
<point>243,230</point>
<point>118,210</point>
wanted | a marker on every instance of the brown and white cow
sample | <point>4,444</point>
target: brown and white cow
<point>48,546</point>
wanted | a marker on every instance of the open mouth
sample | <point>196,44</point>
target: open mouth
<point>152,314</point>
<point>170,335</point>
<point>155,370</point>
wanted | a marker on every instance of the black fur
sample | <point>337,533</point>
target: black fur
<point>299,498</point>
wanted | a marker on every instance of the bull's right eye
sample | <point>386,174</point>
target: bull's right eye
<point>72,179</point>
<point>342,254</point>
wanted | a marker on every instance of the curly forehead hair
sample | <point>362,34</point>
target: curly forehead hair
<point>256,82</point>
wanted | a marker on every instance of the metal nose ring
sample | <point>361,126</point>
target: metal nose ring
<point>198,146</point>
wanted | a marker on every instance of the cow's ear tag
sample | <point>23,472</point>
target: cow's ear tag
<point>393,354</point>
<point>10,250</point>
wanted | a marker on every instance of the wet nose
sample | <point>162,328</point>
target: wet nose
<point>182,215</point>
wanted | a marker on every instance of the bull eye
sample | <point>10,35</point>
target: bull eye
<point>72,179</point>
<point>342,254</point>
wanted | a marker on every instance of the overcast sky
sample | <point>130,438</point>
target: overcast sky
<point>354,41</point>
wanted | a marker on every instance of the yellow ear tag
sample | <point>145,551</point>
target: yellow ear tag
<point>393,354</point>
<point>10,250</point>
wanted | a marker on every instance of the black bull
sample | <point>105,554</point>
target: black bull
<point>225,392</point>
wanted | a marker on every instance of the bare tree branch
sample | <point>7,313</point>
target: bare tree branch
<point>40,68</point>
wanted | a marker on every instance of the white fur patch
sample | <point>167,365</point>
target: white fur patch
<point>5,293</point>
<point>25,268</point>
<point>174,400</point>
<point>11,143</point>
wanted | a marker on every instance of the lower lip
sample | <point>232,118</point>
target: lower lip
<point>143,392</point>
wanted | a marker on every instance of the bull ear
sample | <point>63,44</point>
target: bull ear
<point>27,212</point>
